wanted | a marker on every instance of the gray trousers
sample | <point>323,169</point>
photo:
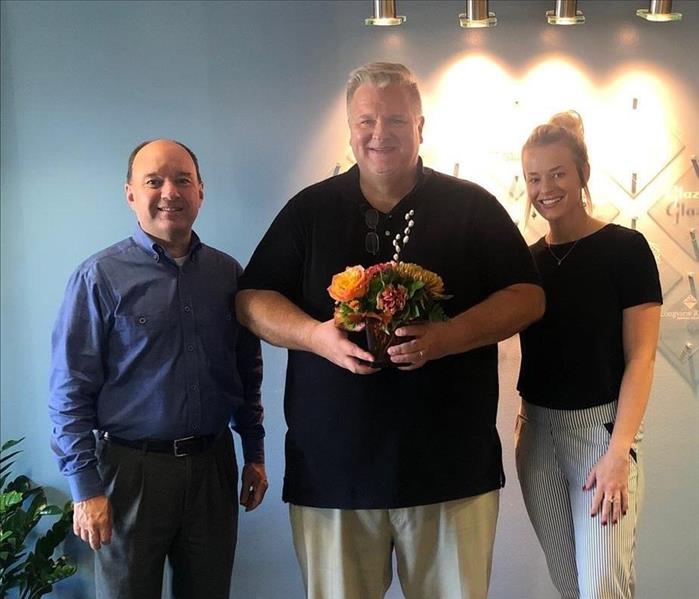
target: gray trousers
<point>184,509</point>
<point>555,451</point>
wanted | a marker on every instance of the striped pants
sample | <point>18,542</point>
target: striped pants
<point>555,451</point>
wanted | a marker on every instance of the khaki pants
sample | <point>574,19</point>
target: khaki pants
<point>443,550</point>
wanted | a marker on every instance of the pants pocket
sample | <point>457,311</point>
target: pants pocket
<point>227,466</point>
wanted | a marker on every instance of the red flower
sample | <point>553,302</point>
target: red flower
<point>377,268</point>
<point>392,299</point>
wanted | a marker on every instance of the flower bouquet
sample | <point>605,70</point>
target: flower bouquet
<point>382,298</point>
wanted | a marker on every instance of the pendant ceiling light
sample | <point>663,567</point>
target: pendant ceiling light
<point>659,10</point>
<point>384,14</point>
<point>477,15</point>
<point>566,13</point>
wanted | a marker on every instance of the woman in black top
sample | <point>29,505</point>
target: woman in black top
<point>586,374</point>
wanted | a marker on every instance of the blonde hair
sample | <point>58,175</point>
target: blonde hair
<point>565,128</point>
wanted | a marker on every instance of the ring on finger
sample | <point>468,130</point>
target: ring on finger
<point>609,499</point>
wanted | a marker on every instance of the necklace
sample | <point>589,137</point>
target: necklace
<point>558,259</point>
<point>406,235</point>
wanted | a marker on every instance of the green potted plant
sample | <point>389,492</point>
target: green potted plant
<point>22,505</point>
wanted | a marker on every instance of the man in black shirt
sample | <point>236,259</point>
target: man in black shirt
<point>408,457</point>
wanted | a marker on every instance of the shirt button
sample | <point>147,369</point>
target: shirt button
<point>142,320</point>
<point>187,309</point>
<point>195,427</point>
<point>193,387</point>
<point>190,347</point>
<point>229,316</point>
<point>388,233</point>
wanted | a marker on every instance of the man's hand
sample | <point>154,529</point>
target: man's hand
<point>253,486</point>
<point>92,521</point>
<point>427,344</point>
<point>331,343</point>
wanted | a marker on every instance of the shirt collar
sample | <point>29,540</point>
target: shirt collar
<point>349,182</point>
<point>146,243</point>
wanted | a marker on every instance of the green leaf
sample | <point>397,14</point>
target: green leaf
<point>51,510</point>
<point>414,287</point>
<point>33,573</point>
<point>10,443</point>
<point>437,313</point>
<point>9,500</point>
<point>5,534</point>
<point>21,484</point>
<point>53,537</point>
<point>6,465</point>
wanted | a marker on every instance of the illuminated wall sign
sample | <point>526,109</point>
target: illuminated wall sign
<point>669,276</point>
<point>679,334</point>
<point>677,212</point>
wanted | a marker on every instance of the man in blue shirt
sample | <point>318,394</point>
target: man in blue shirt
<point>147,353</point>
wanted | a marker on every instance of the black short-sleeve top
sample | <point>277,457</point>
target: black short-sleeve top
<point>391,439</point>
<point>573,358</point>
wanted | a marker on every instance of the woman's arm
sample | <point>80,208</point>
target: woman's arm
<point>610,474</point>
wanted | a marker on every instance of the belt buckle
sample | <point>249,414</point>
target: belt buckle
<point>175,448</point>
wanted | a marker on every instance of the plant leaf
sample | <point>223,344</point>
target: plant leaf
<point>8,457</point>
<point>10,499</point>
<point>10,443</point>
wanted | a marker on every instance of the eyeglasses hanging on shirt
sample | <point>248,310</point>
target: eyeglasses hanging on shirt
<point>371,242</point>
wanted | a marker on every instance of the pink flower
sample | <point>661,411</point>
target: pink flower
<point>377,268</point>
<point>392,299</point>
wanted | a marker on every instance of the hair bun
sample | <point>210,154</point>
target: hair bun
<point>571,121</point>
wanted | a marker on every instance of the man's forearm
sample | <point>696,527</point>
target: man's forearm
<point>501,315</point>
<point>274,318</point>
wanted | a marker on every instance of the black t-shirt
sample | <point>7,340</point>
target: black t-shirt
<point>391,439</point>
<point>573,358</point>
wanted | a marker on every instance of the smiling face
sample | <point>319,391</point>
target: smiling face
<point>165,193</point>
<point>554,186</point>
<point>385,132</point>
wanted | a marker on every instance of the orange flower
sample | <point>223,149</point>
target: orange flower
<point>348,285</point>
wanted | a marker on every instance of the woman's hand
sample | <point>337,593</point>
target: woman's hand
<point>609,478</point>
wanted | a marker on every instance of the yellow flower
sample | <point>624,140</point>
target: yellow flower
<point>433,282</point>
<point>348,285</point>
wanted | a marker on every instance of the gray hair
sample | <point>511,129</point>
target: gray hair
<point>383,74</point>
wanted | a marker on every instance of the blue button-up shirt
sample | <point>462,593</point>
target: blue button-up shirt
<point>146,349</point>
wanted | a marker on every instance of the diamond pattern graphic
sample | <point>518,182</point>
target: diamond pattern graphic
<point>677,212</point>
<point>642,157</point>
<point>679,334</point>
<point>669,276</point>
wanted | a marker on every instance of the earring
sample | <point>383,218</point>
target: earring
<point>533,214</point>
<point>584,203</point>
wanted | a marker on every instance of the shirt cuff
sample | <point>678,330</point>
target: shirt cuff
<point>85,484</point>
<point>253,450</point>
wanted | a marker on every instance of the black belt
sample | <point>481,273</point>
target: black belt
<point>178,447</point>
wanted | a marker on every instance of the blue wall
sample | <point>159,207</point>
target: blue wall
<point>249,86</point>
